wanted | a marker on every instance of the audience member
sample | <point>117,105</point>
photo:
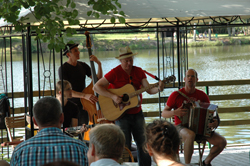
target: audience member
<point>106,145</point>
<point>162,143</point>
<point>50,144</point>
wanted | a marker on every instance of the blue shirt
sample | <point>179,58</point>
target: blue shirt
<point>105,162</point>
<point>50,144</point>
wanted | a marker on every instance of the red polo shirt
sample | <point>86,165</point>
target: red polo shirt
<point>117,78</point>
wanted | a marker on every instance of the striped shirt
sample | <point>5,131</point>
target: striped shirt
<point>50,144</point>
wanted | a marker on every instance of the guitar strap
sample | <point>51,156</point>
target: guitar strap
<point>186,96</point>
<point>151,75</point>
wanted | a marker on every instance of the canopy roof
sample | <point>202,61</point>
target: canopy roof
<point>164,12</point>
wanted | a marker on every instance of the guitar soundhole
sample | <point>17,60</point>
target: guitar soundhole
<point>125,98</point>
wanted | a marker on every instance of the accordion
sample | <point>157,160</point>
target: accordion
<point>198,117</point>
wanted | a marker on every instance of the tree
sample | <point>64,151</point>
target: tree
<point>52,13</point>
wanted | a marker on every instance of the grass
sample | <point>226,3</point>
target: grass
<point>115,36</point>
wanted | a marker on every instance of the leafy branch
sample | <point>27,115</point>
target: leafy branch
<point>51,15</point>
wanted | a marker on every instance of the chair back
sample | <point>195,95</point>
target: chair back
<point>14,122</point>
<point>126,156</point>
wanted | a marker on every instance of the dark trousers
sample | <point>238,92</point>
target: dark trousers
<point>134,124</point>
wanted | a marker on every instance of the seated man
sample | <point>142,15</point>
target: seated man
<point>106,145</point>
<point>50,144</point>
<point>175,101</point>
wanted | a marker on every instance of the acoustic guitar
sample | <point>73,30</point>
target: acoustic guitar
<point>130,99</point>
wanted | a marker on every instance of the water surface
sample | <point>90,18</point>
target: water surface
<point>211,63</point>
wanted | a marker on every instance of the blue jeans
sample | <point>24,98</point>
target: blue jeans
<point>135,124</point>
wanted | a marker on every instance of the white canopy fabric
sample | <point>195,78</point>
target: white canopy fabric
<point>160,11</point>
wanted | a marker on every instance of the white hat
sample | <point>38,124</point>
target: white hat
<point>125,52</point>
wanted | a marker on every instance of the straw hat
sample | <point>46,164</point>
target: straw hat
<point>69,47</point>
<point>125,52</point>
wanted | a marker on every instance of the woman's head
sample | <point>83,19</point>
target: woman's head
<point>66,86</point>
<point>163,138</point>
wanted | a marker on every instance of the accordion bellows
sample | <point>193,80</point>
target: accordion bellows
<point>198,117</point>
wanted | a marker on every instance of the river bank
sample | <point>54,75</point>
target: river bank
<point>143,42</point>
<point>101,43</point>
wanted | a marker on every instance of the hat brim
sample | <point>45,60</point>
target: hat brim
<point>126,56</point>
<point>66,50</point>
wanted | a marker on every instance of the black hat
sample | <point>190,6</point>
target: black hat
<point>69,47</point>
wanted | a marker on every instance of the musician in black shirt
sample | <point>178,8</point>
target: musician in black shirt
<point>75,72</point>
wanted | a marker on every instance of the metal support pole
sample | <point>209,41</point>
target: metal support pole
<point>30,80</point>
<point>25,81</point>
<point>158,58</point>
<point>178,53</point>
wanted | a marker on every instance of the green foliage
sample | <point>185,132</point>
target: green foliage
<point>218,43</point>
<point>205,43</point>
<point>231,41</point>
<point>245,41</point>
<point>195,44</point>
<point>106,7</point>
<point>52,13</point>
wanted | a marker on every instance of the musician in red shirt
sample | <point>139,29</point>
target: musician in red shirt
<point>132,121</point>
<point>174,107</point>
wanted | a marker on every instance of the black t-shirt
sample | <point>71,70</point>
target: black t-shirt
<point>70,111</point>
<point>76,75</point>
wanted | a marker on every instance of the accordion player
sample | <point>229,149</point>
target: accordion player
<point>199,115</point>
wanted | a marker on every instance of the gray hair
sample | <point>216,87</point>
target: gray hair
<point>47,111</point>
<point>108,139</point>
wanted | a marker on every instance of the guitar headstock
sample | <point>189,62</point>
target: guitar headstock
<point>169,79</point>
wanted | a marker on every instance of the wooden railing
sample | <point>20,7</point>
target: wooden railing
<point>208,84</point>
<point>155,113</point>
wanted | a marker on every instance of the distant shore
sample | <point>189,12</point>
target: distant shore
<point>112,42</point>
<point>108,44</point>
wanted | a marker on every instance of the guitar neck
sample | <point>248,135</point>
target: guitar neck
<point>166,80</point>
<point>136,93</point>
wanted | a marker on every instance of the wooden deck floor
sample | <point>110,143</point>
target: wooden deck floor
<point>231,156</point>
